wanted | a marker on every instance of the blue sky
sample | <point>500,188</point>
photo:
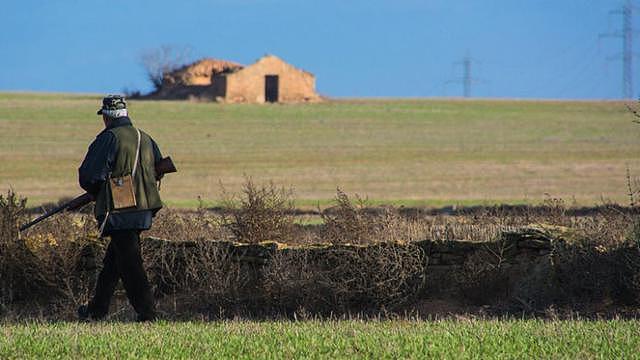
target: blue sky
<point>523,48</point>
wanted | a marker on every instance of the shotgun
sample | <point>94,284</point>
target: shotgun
<point>164,166</point>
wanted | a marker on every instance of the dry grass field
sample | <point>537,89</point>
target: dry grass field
<point>409,152</point>
<point>578,271</point>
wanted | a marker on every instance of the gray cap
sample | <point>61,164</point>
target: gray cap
<point>111,104</point>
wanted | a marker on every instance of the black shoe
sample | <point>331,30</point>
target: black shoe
<point>83,312</point>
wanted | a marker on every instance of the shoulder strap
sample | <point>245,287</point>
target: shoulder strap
<point>135,163</point>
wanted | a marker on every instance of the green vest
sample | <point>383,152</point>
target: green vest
<point>146,188</point>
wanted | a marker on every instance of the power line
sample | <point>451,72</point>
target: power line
<point>627,55</point>
<point>467,78</point>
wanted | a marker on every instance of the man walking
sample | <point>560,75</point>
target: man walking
<point>119,172</point>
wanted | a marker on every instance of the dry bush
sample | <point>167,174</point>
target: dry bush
<point>583,265</point>
<point>218,277</point>
<point>629,275</point>
<point>347,222</point>
<point>598,265</point>
<point>589,268</point>
<point>461,228</point>
<point>290,281</point>
<point>51,265</point>
<point>160,61</point>
<point>188,225</point>
<point>167,264</point>
<point>22,276</point>
<point>482,278</point>
<point>350,222</point>
<point>381,275</point>
<point>608,229</point>
<point>202,276</point>
<point>11,215</point>
<point>69,251</point>
<point>628,259</point>
<point>605,225</point>
<point>582,271</point>
<point>260,213</point>
<point>345,278</point>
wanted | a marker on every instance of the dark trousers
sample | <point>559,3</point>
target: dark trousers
<point>123,261</point>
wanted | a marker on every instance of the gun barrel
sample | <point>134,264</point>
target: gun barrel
<point>42,217</point>
<point>164,166</point>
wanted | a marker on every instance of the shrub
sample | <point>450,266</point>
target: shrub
<point>187,225</point>
<point>200,275</point>
<point>11,215</point>
<point>345,278</point>
<point>260,213</point>
<point>350,222</point>
<point>368,262</point>
<point>482,278</point>
<point>291,282</point>
<point>52,265</point>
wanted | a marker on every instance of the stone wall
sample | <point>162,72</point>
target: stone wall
<point>193,81</point>
<point>528,269</point>
<point>198,73</point>
<point>451,267</point>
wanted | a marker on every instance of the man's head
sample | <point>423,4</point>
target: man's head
<point>113,106</point>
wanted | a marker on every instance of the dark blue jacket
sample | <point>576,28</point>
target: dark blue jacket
<point>95,169</point>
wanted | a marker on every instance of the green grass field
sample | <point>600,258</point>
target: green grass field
<point>411,152</point>
<point>532,339</point>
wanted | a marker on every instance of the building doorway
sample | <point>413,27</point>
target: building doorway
<point>271,88</point>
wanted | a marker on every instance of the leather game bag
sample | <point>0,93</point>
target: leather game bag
<point>122,188</point>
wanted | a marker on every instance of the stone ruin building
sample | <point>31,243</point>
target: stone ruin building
<point>269,80</point>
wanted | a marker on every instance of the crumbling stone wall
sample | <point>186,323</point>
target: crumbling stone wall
<point>488,271</point>
<point>452,268</point>
<point>198,73</point>
<point>193,81</point>
<point>527,269</point>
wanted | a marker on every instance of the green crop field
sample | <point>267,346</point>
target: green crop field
<point>531,339</point>
<point>412,152</point>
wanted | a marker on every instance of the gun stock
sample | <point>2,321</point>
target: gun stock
<point>164,166</point>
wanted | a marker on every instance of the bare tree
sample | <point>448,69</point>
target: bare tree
<point>157,62</point>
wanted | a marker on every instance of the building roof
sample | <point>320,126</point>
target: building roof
<point>264,58</point>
